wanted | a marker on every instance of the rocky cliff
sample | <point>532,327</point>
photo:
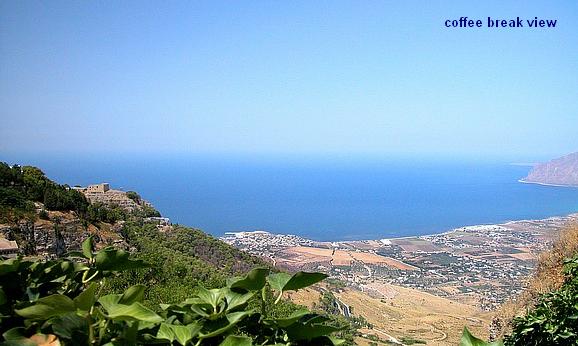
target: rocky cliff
<point>561,171</point>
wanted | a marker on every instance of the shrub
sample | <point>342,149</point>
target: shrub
<point>62,301</point>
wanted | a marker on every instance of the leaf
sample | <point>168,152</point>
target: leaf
<point>278,281</point>
<point>9,266</point>
<point>211,297</point>
<point>166,332</point>
<point>14,333</point>
<point>133,294</point>
<point>183,334</point>
<point>133,312</point>
<point>2,296</point>
<point>87,248</point>
<point>282,282</point>
<point>44,308</point>
<point>300,331</point>
<point>112,259</point>
<point>86,299</point>
<point>109,300</point>
<point>294,317</point>
<point>253,281</point>
<point>470,340</point>
<point>236,340</point>
<point>231,320</point>
<point>236,300</point>
<point>302,280</point>
<point>71,327</point>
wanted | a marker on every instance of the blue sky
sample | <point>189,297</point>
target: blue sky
<point>298,77</point>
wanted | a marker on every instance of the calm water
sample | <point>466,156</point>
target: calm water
<point>324,200</point>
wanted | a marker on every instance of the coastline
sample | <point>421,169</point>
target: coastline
<point>546,184</point>
<point>505,224</point>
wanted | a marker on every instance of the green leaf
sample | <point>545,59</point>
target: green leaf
<point>71,327</point>
<point>282,282</point>
<point>166,332</point>
<point>2,296</point>
<point>44,308</point>
<point>294,317</point>
<point>133,294</point>
<point>302,280</point>
<point>211,297</point>
<point>14,333</point>
<point>231,320</point>
<point>236,340</point>
<point>470,340</point>
<point>253,281</point>
<point>109,300</point>
<point>133,312</point>
<point>9,266</point>
<point>300,331</point>
<point>112,259</point>
<point>87,248</point>
<point>278,281</point>
<point>183,334</point>
<point>86,299</point>
<point>237,300</point>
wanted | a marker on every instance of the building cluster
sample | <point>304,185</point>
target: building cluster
<point>485,265</point>
<point>102,193</point>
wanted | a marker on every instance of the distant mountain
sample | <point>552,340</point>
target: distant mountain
<point>561,171</point>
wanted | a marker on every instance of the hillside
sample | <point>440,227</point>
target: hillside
<point>47,219</point>
<point>561,171</point>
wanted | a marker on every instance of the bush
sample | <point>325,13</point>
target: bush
<point>62,301</point>
<point>554,319</point>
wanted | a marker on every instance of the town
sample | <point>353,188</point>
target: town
<point>478,265</point>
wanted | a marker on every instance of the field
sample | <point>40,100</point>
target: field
<point>304,254</point>
<point>411,314</point>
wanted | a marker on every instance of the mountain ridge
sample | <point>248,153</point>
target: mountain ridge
<point>562,171</point>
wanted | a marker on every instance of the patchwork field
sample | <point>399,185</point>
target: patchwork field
<point>304,254</point>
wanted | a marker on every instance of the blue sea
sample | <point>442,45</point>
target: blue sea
<point>322,199</point>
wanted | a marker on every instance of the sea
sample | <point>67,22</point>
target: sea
<point>326,199</point>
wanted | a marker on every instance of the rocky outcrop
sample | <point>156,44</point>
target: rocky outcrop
<point>60,235</point>
<point>561,171</point>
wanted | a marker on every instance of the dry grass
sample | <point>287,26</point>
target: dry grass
<point>415,314</point>
<point>547,278</point>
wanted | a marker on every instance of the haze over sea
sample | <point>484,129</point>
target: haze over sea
<point>321,199</point>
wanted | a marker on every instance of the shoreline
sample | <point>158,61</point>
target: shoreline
<point>546,184</point>
<point>568,217</point>
<point>502,224</point>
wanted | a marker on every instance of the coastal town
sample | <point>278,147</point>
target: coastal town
<point>481,265</point>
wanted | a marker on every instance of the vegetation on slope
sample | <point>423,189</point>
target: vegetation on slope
<point>62,302</point>
<point>547,312</point>
<point>20,187</point>
<point>180,261</point>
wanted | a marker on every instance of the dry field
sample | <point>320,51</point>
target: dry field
<point>418,315</point>
<point>303,254</point>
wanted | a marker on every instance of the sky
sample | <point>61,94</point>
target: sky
<point>287,77</point>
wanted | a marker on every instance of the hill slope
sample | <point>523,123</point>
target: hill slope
<point>47,219</point>
<point>560,171</point>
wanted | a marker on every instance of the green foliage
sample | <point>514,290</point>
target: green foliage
<point>180,261</point>
<point>62,300</point>
<point>134,196</point>
<point>469,340</point>
<point>554,319</point>
<point>21,186</point>
<point>98,212</point>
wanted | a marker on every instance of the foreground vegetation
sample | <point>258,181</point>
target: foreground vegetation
<point>186,287</point>
<point>62,301</point>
